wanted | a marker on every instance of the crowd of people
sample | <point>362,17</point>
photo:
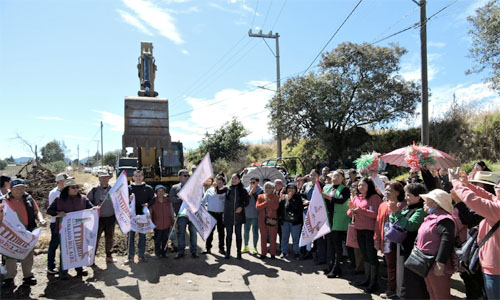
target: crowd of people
<point>415,225</point>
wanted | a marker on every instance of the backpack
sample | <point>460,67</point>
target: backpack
<point>468,253</point>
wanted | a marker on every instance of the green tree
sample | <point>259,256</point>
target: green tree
<point>485,49</point>
<point>53,151</point>
<point>357,86</point>
<point>224,143</point>
<point>110,158</point>
<point>3,164</point>
<point>10,160</point>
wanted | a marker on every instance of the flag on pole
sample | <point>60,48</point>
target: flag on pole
<point>192,192</point>
<point>15,240</point>
<point>78,232</point>
<point>140,223</point>
<point>202,220</point>
<point>119,196</point>
<point>316,222</point>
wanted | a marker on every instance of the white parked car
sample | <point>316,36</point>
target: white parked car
<point>87,170</point>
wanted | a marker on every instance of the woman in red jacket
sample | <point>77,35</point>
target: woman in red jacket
<point>364,209</point>
<point>267,205</point>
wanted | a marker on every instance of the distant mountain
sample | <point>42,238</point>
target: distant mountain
<point>22,160</point>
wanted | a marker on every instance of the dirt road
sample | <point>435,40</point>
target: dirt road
<point>207,277</point>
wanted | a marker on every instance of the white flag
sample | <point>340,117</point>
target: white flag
<point>202,220</point>
<point>316,219</point>
<point>120,198</point>
<point>15,240</point>
<point>78,231</point>
<point>140,223</point>
<point>192,192</point>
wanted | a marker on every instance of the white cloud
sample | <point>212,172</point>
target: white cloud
<point>50,118</point>
<point>128,18</point>
<point>185,52</point>
<point>412,72</point>
<point>117,122</point>
<point>248,105</point>
<point>189,10</point>
<point>436,44</point>
<point>156,18</point>
<point>81,138</point>
<point>175,1</point>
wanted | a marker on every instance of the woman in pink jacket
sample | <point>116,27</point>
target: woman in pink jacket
<point>363,209</point>
<point>488,206</point>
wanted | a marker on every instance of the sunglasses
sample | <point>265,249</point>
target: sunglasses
<point>253,182</point>
<point>184,175</point>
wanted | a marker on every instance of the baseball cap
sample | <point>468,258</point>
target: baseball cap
<point>61,176</point>
<point>17,182</point>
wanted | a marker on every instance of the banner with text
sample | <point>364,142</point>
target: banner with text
<point>192,192</point>
<point>15,240</point>
<point>78,231</point>
<point>120,198</point>
<point>202,220</point>
<point>140,223</point>
<point>316,221</point>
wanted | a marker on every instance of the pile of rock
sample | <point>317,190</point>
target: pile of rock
<point>40,182</point>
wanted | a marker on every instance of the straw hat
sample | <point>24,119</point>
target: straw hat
<point>485,177</point>
<point>71,182</point>
<point>442,198</point>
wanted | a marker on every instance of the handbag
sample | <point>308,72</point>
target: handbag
<point>271,221</point>
<point>352,236</point>
<point>419,262</point>
<point>396,233</point>
<point>468,253</point>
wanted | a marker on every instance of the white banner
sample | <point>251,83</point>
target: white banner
<point>78,232</point>
<point>140,223</point>
<point>120,198</point>
<point>15,240</point>
<point>202,220</point>
<point>192,192</point>
<point>316,221</point>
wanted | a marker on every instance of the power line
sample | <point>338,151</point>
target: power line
<point>279,14</point>
<point>267,13</point>
<point>255,13</point>
<point>334,34</point>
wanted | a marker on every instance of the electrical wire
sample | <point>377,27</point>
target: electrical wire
<point>279,14</point>
<point>334,34</point>
<point>255,13</point>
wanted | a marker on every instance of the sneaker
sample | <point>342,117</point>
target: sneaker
<point>129,261</point>
<point>283,255</point>
<point>388,294</point>
<point>7,283</point>
<point>29,280</point>
<point>142,260</point>
<point>222,251</point>
<point>254,251</point>
<point>52,270</point>
<point>194,255</point>
<point>206,251</point>
<point>110,259</point>
<point>179,255</point>
<point>244,250</point>
<point>82,273</point>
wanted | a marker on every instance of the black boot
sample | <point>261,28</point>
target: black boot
<point>227,255</point>
<point>238,249</point>
<point>336,271</point>
<point>373,286</point>
<point>366,280</point>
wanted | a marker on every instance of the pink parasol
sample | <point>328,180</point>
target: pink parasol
<point>418,157</point>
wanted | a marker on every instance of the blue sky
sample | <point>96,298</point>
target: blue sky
<point>67,65</point>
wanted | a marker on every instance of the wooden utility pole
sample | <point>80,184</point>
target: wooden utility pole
<point>275,36</point>
<point>102,149</point>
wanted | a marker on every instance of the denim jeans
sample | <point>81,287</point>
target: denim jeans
<point>141,244</point>
<point>286,229</point>
<point>255,230</point>
<point>182,222</point>
<point>54,243</point>
<point>492,286</point>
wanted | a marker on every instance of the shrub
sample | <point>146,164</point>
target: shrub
<point>56,166</point>
<point>3,164</point>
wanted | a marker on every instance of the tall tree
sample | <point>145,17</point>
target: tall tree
<point>53,151</point>
<point>110,158</point>
<point>485,49</point>
<point>224,143</point>
<point>358,85</point>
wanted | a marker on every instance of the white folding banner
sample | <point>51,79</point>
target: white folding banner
<point>15,240</point>
<point>192,192</point>
<point>78,231</point>
<point>316,218</point>
<point>120,198</point>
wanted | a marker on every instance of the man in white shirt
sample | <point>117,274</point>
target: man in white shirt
<point>54,239</point>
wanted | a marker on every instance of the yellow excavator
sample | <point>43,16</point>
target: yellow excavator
<point>147,130</point>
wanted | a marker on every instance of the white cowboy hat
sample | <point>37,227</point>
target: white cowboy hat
<point>442,198</point>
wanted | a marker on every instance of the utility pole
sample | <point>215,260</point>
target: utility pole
<point>276,36</point>
<point>88,157</point>
<point>425,87</point>
<point>78,156</point>
<point>102,149</point>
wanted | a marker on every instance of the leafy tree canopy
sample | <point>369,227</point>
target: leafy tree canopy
<point>358,85</point>
<point>224,143</point>
<point>485,49</point>
<point>53,151</point>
